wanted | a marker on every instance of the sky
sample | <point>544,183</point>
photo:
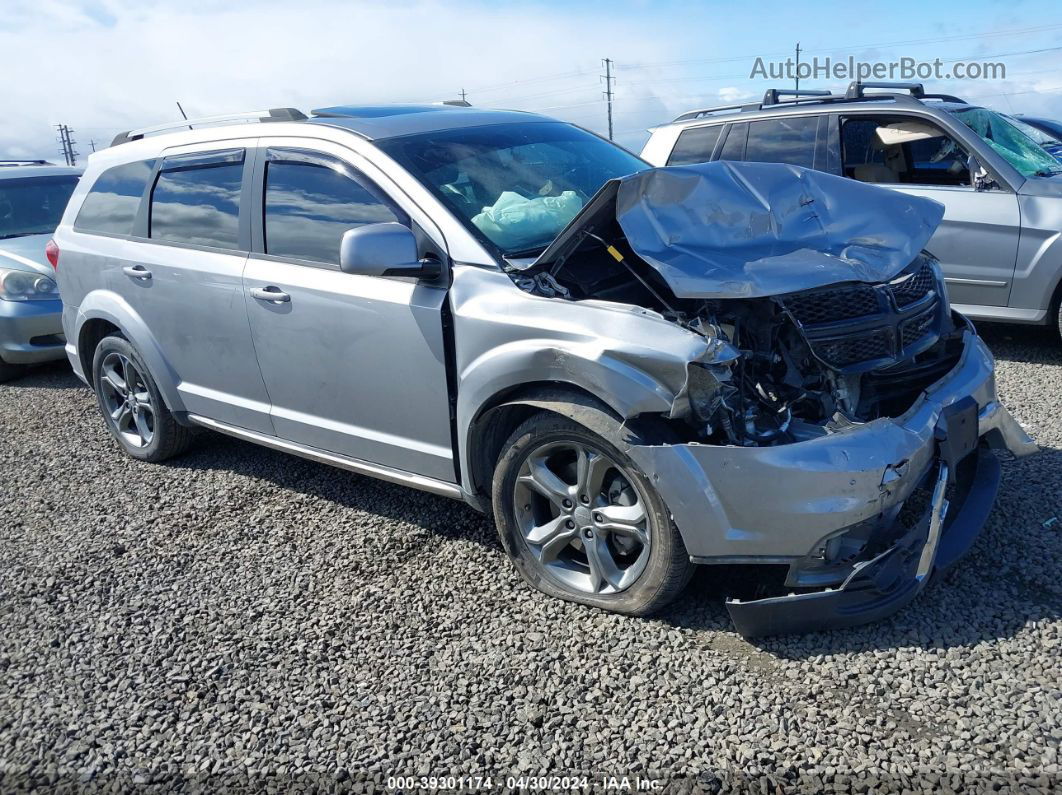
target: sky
<point>102,66</point>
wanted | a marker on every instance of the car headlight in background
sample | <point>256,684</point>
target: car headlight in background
<point>26,286</point>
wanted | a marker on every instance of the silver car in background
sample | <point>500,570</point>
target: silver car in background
<point>999,242</point>
<point>33,195</point>
<point>634,370</point>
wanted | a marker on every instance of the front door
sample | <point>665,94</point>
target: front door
<point>353,364</point>
<point>977,241</point>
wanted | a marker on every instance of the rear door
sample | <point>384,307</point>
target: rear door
<point>354,365</point>
<point>183,274</point>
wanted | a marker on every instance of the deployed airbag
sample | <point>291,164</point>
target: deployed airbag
<point>733,230</point>
<point>513,221</point>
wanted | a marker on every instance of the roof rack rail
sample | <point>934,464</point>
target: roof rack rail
<point>25,163</point>
<point>772,94</point>
<point>855,89</point>
<point>696,114</point>
<point>273,114</point>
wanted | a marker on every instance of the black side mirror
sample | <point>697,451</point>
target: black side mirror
<point>387,249</point>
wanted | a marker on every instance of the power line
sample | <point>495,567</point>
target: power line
<point>850,48</point>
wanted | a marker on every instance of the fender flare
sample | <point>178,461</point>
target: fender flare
<point>105,305</point>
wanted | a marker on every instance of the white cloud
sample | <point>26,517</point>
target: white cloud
<point>109,65</point>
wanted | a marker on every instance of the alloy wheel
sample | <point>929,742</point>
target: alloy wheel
<point>127,400</point>
<point>582,517</point>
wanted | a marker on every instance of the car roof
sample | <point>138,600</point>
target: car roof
<point>36,170</point>
<point>812,106</point>
<point>377,122</point>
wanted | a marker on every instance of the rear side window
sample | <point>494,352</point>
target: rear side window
<point>111,205</point>
<point>695,145</point>
<point>787,140</point>
<point>196,199</point>
<point>734,145</point>
<point>311,200</point>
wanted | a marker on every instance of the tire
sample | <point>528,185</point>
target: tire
<point>9,372</point>
<point>138,419</point>
<point>551,542</point>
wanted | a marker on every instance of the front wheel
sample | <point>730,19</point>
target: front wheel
<point>581,522</point>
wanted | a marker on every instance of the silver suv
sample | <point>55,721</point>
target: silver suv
<point>998,243</point>
<point>634,369</point>
<point>33,195</point>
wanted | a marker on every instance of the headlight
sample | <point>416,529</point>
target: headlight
<point>26,286</point>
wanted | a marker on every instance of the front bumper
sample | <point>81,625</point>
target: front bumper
<point>31,331</point>
<point>781,505</point>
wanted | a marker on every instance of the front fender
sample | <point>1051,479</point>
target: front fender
<point>106,305</point>
<point>633,361</point>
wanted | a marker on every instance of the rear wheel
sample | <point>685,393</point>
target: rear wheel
<point>131,405</point>
<point>582,523</point>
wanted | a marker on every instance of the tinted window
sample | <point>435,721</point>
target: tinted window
<point>197,200</point>
<point>112,202</point>
<point>695,145</point>
<point>308,207</point>
<point>33,205</point>
<point>788,140</point>
<point>734,146</point>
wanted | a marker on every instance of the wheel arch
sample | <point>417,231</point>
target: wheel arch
<point>505,411</point>
<point>104,313</point>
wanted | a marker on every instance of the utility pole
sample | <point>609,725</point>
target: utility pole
<point>66,145</point>
<point>464,96</point>
<point>92,143</point>
<point>608,78</point>
<point>797,87</point>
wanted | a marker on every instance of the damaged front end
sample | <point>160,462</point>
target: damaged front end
<point>838,418</point>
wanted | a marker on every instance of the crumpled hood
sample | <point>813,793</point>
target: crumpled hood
<point>742,230</point>
<point>26,253</point>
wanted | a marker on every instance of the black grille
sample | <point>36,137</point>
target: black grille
<point>914,329</point>
<point>853,350</point>
<point>856,328</point>
<point>826,306</point>
<point>915,288</point>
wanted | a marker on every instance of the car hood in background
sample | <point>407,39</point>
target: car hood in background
<point>26,253</point>
<point>742,230</point>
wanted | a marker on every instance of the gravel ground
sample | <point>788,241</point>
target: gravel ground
<point>239,618</point>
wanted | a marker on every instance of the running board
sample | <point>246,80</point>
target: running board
<point>389,474</point>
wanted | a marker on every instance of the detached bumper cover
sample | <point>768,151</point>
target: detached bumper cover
<point>881,586</point>
<point>31,331</point>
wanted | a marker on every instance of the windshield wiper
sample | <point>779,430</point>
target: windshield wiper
<point>18,234</point>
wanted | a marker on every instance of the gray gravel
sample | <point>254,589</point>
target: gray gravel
<point>240,618</point>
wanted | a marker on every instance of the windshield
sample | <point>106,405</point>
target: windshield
<point>1009,142</point>
<point>1037,135</point>
<point>33,205</point>
<point>514,185</point>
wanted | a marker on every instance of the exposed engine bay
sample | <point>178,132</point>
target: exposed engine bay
<point>817,317</point>
<point>779,368</point>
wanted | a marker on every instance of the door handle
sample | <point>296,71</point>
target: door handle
<point>137,272</point>
<point>273,295</point>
